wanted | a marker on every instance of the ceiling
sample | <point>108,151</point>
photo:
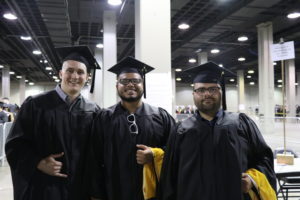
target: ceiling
<point>213,24</point>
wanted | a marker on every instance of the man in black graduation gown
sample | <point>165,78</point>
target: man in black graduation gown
<point>46,147</point>
<point>208,156</point>
<point>123,135</point>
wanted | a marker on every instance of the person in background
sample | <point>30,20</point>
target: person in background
<point>3,115</point>
<point>46,147</point>
<point>216,154</point>
<point>128,139</point>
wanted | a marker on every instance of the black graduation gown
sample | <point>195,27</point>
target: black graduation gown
<point>115,174</point>
<point>205,163</point>
<point>47,125</point>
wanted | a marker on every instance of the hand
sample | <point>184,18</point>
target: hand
<point>246,183</point>
<point>144,154</point>
<point>50,166</point>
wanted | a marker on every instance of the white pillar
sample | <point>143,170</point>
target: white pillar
<point>173,92</point>
<point>154,48</point>
<point>266,77</point>
<point>109,58</point>
<point>241,90</point>
<point>6,82</point>
<point>202,58</point>
<point>298,88</point>
<point>98,86</point>
<point>22,88</point>
<point>290,87</point>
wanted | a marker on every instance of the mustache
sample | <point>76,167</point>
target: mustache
<point>208,98</point>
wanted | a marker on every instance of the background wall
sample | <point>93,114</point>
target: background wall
<point>30,90</point>
<point>183,95</point>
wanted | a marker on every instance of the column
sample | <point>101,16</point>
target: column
<point>298,88</point>
<point>173,92</point>
<point>6,81</point>
<point>109,58</point>
<point>290,87</point>
<point>202,58</point>
<point>22,88</point>
<point>266,77</point>
<point>154,48</point>
<point>241,90</point>
<point>98,87</point>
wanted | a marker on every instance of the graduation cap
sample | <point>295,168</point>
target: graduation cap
<point>210,72</point>
<point>81,54</point>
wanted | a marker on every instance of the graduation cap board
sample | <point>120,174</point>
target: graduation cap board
<point>81,54</point>
<point>132,65</point>
<point>210,72</point>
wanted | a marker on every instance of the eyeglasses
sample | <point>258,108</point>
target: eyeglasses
<point>211,90</point>
<point>126,81</point>
<point>133,128</point>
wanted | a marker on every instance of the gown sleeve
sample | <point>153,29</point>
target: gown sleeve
<point>168,180</point>
<point>169,125</point>
<point>261,156</point>
<point>20,149</point>
<point>95,169</point>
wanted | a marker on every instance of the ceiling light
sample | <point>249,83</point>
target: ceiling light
<point>1,66</point>
<point>251,72</point>
<point>293,15</point>
<point>90,78</point>
<point>48,68</point>
<point>192,85</point>
<point>25,38</point>
<point>279,81</point>
<point>55,77</point>
<point>31,83</point>
<point>37,52</point>
<point>19,76</point>
<point>220,65</point>
<point>11,72</point>
<point>26,81</point>
<point>41,61</point>
<point>296,83</point>
<point>279,85</point>
<point>215,51</point>
<point>178,70</point>
<point>231,80</point>
<point>50,73</point>
<point>100,46</point>
<point>178,79</point>
<point>198,50</point>
<point>114,2</point>
<point>45,61</point>
<point>241,59</point>
<point>192,60</point>
<point>274,63</point>
<point>252,83</point>
<point>242,38</point>
<point>57,80</point>
<point>183,26</point>
<point>248,76</point>
<point>10,16</point>
<point>101,30</point>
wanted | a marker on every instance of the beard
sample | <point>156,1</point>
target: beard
<point>131,99</point>
<point>213,107</point>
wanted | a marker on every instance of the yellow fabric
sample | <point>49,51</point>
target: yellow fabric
<point>149,176</point>
<point>265,190</point>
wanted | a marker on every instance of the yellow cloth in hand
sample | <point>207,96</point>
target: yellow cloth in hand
<point>265,190</point>
<point>150,176</point>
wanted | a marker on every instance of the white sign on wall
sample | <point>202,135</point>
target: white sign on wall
<point>284,51</point>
